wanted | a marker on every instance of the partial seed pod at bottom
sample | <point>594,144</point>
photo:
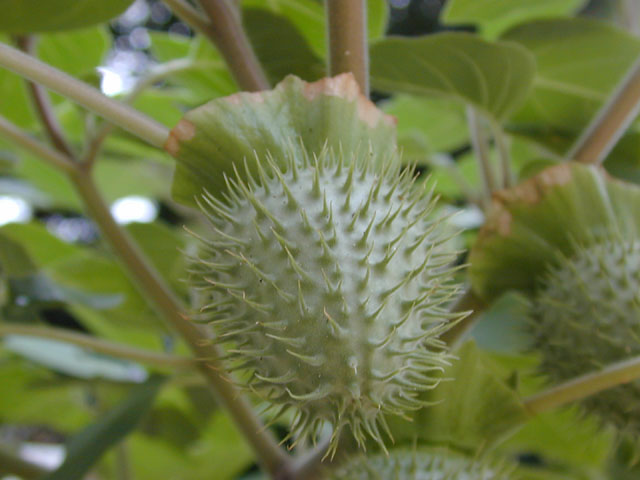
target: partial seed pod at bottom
<point>331,282</point>
<point>431,464</point>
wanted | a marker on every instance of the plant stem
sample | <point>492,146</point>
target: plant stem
<point>468,302</point>
<point>42,104</point>
<point>481,150</point>
<point>150,283</point>
<point>611,121</point>
<point>500,141</point>
<point>347,34</point>
<point>29,143</point>
<point>584,386</point>
<point>122,115</point>
<point>12,464</point>
<point>99,345</point>
<point>225,31</point>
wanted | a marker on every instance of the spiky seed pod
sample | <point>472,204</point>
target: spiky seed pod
<point>422,465</point>
<point>331,284</point>
<point>586,315</point>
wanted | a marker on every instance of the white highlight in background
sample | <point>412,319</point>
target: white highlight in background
<point>111,83</point>
<point>14,209</point>
<point>134,209</point>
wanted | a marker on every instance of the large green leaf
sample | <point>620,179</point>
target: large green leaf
<point>472,407</point>
<point>293,117</point>
<point>280,47</point>
<point>495,16</point>
<point>86,448</point>
<point>27,16</point>
<point>77,52</point>
<point>530,224</point>
<point>494,77</point>
<point>579,62</point>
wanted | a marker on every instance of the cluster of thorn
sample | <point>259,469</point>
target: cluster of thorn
<point>330,280</point>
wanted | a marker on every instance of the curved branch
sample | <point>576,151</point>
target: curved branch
<point>122,115</point>
<point>51,156</point>
<point>584,386</point>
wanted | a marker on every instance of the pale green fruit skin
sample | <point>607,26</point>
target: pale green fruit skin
<point>331,282</point>
<point>421,465</point>
<point>587,316</point>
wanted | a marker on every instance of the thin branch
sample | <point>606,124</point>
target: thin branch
<point>481,150</point>
<point>12,464</point>
<point>43,106</point>
<point>500,141</point>
<point>224,28</point>
<point>468,302</point>
<point>347,36</point>
<point>145,276</point>
<point>154,75</point>
<point>584,386</point>
<point>610,123</point>
<point>122,115</point>
<point>51,156</point>
<point>99,345</point>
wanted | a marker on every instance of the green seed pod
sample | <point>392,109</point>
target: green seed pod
<point>421,465</point>
<point>586,316</point>
<point>331,282</point>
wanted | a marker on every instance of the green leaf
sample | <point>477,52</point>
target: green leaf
<point>73,360</point>
<point>493,17</point>
<point>26,387</point>
<point>439,123</point>
<point>280,47</point>
<point>495,77</point>
<point>77,52</point>
<point>530,224</point>
<point>14,261</point>
<point>472,408</point>
<point>579,63</point>
<point>211,139</point>
<point>27,16</point>
<point>86,448</point>
<point>220,453</point>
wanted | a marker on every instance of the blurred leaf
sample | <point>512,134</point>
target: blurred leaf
<point>439,122</point>
<point>15,103</point>
<point>159,104</point>
<point>28,16</point>
<point>472,408</point>
<point>167,46</point>
<point>565,442</point>
<point>495,77</point>
<point>579,63</point>
<point>280,47</point>
<point>492,17</point>
<point>73,360</point>
<point>86,448</point>
<point>14,261</point>
<point>77,52</point>
<point>220,453</point>
<point>39,288</point>
<point>530,224</point>
<point>209,140</point>
<point>26,387</point>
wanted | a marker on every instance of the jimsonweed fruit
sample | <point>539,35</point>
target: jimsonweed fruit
<point>432,464</point>
<point>330,279</point>
<point>586,316</point>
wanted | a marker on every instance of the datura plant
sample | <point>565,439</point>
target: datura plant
<point>441,284</point>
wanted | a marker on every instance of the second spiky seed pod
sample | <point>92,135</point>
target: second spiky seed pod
<point>330,280</point>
